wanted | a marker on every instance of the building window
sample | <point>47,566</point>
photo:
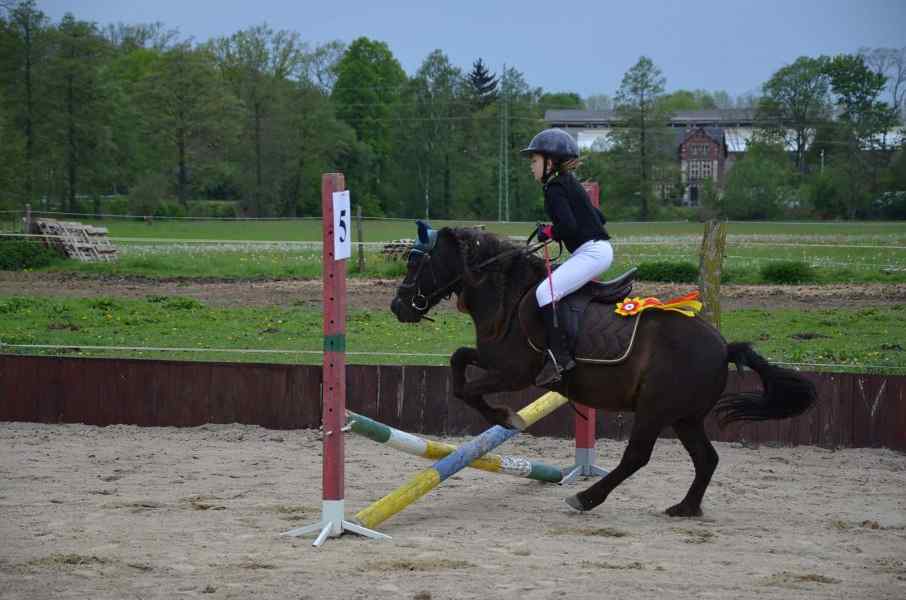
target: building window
<point>698,150</point>
<point>700,169</point>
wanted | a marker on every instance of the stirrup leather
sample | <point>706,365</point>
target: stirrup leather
<point>551,371</point>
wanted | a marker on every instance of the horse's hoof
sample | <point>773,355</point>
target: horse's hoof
<point>574,502</point>
<point>681,510</point>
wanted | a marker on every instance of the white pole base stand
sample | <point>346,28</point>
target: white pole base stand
<point>585,467</point>
<point>333,524</point>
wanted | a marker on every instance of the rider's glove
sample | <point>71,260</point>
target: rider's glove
<point>545,232</point>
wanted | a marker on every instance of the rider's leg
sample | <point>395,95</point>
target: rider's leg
<point>589,260</point>
<point>558,359</point>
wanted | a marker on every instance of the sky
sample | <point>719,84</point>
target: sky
<point>582,47</point>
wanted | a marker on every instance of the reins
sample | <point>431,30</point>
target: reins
<point>447,290</point>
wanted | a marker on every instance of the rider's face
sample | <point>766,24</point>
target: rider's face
<point>537,166</point>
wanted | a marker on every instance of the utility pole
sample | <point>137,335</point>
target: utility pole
<point>506,149</point>
<point>503,160</point>
<point>500,154</point>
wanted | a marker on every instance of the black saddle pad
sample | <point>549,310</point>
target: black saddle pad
<point>572,308</point>
<point>606,336</point>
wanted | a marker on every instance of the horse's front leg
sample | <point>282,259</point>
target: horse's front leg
<point>472,392</point>
<point>459,361</point>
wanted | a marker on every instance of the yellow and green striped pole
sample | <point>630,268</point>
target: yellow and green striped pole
<point>419,446</point>
<point>430,478</point>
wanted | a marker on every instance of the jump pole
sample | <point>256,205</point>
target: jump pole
<point>424,448</point>
<point>425,481</point>
<point>586,440</point>
<point>337,247</point>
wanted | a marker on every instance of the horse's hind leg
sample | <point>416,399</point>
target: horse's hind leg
<point>636,456</point>
<point>691,432</point>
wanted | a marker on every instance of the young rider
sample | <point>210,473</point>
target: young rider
<point>575,222</point>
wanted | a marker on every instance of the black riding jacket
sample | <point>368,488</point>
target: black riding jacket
<point>575,220</point>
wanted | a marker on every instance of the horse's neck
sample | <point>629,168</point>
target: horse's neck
<point>485,301</point>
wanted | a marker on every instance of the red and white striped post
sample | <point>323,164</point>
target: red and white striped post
<point>336,244</point>
<point>333,374</point>
<point>586,439</point>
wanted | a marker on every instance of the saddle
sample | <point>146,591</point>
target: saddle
<point>606,292</point>
<point>608,336</point>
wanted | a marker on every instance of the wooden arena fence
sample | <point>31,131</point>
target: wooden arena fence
<point>854,410</point>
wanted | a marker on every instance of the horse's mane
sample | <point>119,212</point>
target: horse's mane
<point>509,277</point>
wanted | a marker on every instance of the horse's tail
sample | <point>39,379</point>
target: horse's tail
<point>786,392</point>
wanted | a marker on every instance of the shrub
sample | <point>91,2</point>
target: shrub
<point>168,208</point>
<point>213,208</point>
<point>226,209</point>
<point>787,272</point>
<point>18,254</point>
<point>118,205</point>
<point>673,272</point>
<point>147,194</point>
<point>731,274</point>
<point>890,205</point>
<point>757,187</point>
<point>676,213</point>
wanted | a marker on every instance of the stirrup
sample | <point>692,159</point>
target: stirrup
<point>545,378</point>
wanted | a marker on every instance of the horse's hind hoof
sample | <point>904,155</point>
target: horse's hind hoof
<point>681,510</point>
<point>574,502</point>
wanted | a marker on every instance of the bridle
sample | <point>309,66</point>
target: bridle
<point>421,307</point>
<point>421,303</point>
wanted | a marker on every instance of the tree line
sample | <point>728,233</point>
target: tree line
<point>136,114</point>
<point>821,146</point>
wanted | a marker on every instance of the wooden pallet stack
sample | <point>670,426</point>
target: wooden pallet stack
<point>397,249</point>
<point>86,243</point>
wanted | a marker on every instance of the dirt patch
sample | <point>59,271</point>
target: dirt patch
<point>477,536</point>
<point>375,294</point>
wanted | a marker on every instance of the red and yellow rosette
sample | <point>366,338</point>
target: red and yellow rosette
<point>688,305</point>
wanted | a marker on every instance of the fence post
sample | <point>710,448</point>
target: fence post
<point>27,219</point>
<point>586,418</point>
<point>711,260</point>
<point>358,219</point>
<point>335,233</point>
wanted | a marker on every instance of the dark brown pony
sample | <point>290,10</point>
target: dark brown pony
<point>674,376</point>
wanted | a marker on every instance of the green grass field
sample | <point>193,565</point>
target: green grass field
<point>864,340</point>
<point>867,340</point>
<point>379,230</point>
<point>849,252</point>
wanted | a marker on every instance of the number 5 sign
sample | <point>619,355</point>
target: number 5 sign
<point>342,229</point>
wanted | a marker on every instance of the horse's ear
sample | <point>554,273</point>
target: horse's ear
<point>427,237</point>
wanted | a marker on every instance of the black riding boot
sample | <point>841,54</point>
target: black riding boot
<point>557,357</point>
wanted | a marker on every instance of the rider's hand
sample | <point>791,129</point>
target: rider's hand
<point>545,232</point>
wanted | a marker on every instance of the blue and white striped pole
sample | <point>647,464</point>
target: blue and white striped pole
<point>430,478</point>
<point>431,449</point>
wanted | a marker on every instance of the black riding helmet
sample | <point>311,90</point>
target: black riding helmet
<point>554,143</point>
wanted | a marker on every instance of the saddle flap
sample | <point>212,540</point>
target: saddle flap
<point>607,337</point>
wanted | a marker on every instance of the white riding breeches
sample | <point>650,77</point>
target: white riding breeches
<point>588,261</point>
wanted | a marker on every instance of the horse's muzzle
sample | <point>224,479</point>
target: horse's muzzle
<point>404,312</point>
